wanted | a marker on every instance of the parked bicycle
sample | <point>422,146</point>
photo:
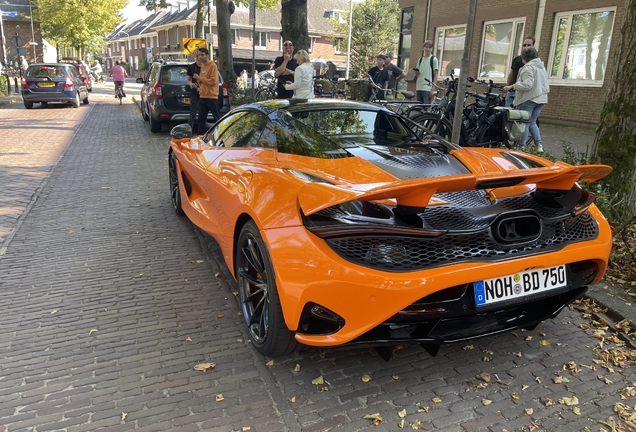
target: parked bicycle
<point>267,89</point>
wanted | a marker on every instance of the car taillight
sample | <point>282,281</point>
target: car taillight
<point>157,90</point>
<point>68,83</point>
<point>24,83</point>
<point>226,93</point>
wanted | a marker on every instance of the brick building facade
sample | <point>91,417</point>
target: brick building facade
<point>576,39</point>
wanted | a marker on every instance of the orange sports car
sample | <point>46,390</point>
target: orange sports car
<point>343,223</point>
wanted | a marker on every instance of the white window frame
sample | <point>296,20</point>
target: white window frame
<point>257,42</point>
<point>336,46</point>
<point>555,32</point>
<point>439,51</point>
<point>513,50</point>
<point>235,31</point>
<point>312,41</point>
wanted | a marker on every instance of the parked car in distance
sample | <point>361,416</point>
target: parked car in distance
<point>165,96</point>
<point>53,82</point>
<point>84,70</point>
<point>343,224</point>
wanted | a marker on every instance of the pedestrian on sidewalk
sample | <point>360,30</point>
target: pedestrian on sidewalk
<point>532,90</point>
<point>303,84</point>
<point>426,68</point>
<point>208,78</point>
<point>193,84</point>
<point>395,75</point>
<point>517,64</point>
<point>283,69</point>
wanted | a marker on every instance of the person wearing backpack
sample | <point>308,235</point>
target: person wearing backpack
<point>426,68</point>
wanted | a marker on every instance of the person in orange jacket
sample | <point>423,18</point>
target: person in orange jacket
<point>208,79</point>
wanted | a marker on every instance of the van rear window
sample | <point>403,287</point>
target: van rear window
<point>174,74</point>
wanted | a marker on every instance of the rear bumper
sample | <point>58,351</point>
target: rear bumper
<point>66,96</point>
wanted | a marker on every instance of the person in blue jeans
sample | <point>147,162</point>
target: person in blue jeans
<point>531,93</point>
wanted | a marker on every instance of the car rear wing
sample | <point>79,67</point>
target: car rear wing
<point>314,197</point>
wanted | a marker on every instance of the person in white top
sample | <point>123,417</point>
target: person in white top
<point>303,85</point>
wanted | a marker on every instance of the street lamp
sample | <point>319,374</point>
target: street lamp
<point>132,66</point>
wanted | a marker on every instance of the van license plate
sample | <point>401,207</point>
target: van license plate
<point>519,285</point>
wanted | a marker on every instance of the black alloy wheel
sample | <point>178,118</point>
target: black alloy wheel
<point>175,192</point>
<point>258,295</point>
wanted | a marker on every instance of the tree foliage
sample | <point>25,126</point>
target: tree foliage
<point>78,23</point>
<point>375,29</point>
<point>615,142</point>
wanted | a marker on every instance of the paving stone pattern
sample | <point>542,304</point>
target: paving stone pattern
<point>102,285</point>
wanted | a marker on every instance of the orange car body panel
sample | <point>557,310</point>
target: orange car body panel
<point>256,182</point>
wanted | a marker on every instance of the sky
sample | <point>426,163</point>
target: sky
<point>133,12</point>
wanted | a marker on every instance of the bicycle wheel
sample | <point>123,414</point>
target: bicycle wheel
<point>263,95</point>
<point>435,125</point>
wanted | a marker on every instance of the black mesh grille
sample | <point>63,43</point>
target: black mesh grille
<point>452,218</point>
<point>402,254</point>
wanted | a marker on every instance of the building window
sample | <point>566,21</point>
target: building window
<point>312,42</point>
<point>450,49</point>
<point>260,39</point>
<point>580,46</point>
<point>339,47</point>
<point>233,36</point>
<point>404,50</point>
<point>336,15</point>
<point>500,43</point>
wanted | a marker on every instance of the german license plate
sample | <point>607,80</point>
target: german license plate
<point>47,84</point>
<point>519,285</point>
<point>186,101</point>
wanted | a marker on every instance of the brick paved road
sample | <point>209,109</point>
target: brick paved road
<point>108,301</point>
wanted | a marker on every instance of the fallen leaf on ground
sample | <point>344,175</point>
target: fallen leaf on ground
<point>270,363</point>
<point>366,378</point>
<point>544,342</point>
<point>515,395</point>
<point>377,418</point>
<point>528,338</point>
<point>54,311</point>
<point>297,368</point>
<point>219,397</point>
<point>395,377</point>
<point>525,387</point>
<point>401,424</point>
<point>318,381</point>
<point>486,402</point>
<point>123,416</point>
<point>324,389</point>
<point>484,376</point>
<point>204,366</point>
<point>518,353</point>
<point>417,425</point>
<point>293,399</point>
<point>569,401</point>
<point>402,414</point>
<point>436,399</point>
<point>576,410</point>
<point>528,411</point>
<point>92,331</point>
<point>468,347</point>
<point>188,339</point>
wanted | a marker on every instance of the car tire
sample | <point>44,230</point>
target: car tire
<point>175,192</point>
<point>258,295</point>
<point>44,103</point>
<point>85,101</point>
<point>28,105</point>
<point>144,113</point>
<point>76,101</point>
<point>155,125</point>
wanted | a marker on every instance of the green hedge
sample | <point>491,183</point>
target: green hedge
<point>3,85</point>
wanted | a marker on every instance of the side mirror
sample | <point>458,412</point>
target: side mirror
<point>181,131</point>
<point>139,80</point>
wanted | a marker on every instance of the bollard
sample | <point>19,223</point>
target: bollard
<point>15,82</point>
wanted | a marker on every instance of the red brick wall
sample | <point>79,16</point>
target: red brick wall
<point>569,103</point>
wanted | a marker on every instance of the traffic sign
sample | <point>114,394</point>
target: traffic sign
<point>190,45</point>
<point>16,41</point>
<point>9,14</point>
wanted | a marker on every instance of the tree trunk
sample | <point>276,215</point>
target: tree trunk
<point>615,142</point>
<point>198,27</point>
<point>224,10</point>
<point>293,20</point>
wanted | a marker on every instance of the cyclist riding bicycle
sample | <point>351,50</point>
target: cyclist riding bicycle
<point>97,70</point>
<point>119,75</point>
